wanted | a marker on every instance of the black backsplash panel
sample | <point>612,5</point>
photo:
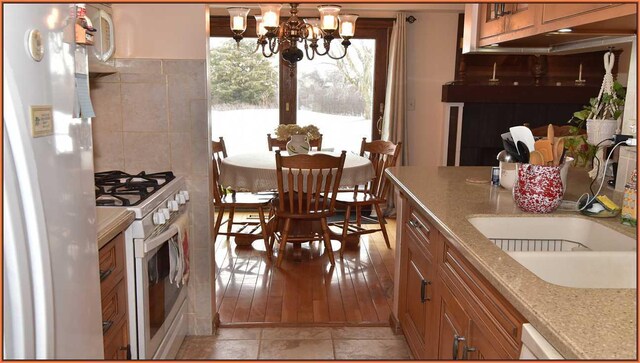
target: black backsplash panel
<point>482,124</point>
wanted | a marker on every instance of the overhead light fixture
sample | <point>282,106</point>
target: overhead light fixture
<point>565,30</point>
<point>275,37</point>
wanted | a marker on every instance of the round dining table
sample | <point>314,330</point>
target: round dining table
<point>256,172</point>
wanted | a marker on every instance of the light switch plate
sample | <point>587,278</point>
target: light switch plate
<point>41,120</point>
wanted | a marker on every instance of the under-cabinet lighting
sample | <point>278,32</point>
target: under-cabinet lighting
<point>565,30</point>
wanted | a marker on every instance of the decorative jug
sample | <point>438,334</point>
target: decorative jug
<point>298,145</point>
<point>538,188</point>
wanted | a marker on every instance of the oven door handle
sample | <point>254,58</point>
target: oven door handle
<point>149,245</point>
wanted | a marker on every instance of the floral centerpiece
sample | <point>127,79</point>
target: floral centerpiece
<point>300,136</point>
<point>284,132</point>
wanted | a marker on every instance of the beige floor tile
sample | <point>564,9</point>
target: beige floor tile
<point>238,333</point>
<point>296,333</point>
<point>296,349</point>
<point>195,347</point>
<point>364,333</point>
<point>371,349</point>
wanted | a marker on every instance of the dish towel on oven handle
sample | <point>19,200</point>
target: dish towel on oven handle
<point>175,260</point>
<point>181,275</point>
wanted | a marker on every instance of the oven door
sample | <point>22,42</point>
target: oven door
<point>158,299</point>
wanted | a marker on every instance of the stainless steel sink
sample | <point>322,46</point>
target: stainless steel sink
<point>566,251</point>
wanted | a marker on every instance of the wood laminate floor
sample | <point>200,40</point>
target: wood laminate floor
<point>358,290</point>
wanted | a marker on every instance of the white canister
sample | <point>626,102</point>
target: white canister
<point>508,174</point>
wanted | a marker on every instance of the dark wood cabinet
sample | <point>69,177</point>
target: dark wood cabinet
<point>446,308</point>
<point>113,288</point>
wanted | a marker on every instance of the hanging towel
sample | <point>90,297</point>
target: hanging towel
<point>183,246</point>
<point>175,261</point>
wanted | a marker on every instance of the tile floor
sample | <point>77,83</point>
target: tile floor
<point>322,343</point>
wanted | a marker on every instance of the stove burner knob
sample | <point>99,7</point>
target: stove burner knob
<point>165,212</point>
<point>185,194</point>
<point>158,218</point>
<point>172,205</point>
<point>181,199</point>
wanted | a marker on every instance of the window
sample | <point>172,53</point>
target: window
<point>344,98</point>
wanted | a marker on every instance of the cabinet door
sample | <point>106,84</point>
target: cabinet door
<point>417,314</point>
<point>454,323</point>
<point>521,16</point>
<point>490,21</point>
<point>552,12</point>
<point>117,347</point>
<point>481,345</point>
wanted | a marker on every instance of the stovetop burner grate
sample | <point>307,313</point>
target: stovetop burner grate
<point>117,188</point>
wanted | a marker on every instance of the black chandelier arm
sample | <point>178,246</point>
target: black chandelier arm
<point>274,45</point>
<point>264,52</point>
<point>313,46</point>
<point>345,44</point>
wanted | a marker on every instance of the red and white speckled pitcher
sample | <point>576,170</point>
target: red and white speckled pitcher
<point>538,188</point>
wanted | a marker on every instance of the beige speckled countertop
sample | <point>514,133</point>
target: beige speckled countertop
<point>112,221</point>
<point>579,323</point>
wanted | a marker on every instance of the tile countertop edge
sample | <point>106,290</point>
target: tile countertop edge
<point>112,221</point>
<point>561,322</point>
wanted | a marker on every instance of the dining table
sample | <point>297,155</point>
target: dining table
<point>256,172</point>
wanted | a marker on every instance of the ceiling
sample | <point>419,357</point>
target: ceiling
<point>216,8</point>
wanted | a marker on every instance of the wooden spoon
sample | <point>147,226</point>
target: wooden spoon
<point>545,148</point>
<point>558,151</point>
<point>536,158</point>
<point>550,133</point>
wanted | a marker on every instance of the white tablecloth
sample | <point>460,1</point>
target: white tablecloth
<point>256,172</point>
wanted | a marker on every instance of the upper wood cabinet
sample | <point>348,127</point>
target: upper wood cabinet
<point>498,18</point>
<point>489,23</point>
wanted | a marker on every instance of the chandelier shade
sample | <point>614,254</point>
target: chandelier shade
<point>296,38</point>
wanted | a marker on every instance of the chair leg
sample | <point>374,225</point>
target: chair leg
<point>345,229</point>
<point>327,240</point>
<point>283,241</point>
<point>358,216</point>
<point>230,220</point>
<point>216,226</point>
<point>382,226</point>
<point>265,234</point>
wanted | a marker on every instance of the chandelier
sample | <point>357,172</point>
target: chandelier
<point>284,38</point>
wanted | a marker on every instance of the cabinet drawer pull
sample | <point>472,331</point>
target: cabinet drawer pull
<point>423,291</point>
<point>456,343</point>
<point>105,274</point>
<point>106,325</point>
<point>466,350</point>
<point>417,225</point>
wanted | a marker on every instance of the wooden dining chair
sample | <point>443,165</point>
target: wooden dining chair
<point>307,189</point>
<point>282,145</point>
<point>382,154</point>
<point>225,199</point>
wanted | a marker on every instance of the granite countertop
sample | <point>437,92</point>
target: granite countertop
<point>579,323</point>
<point>112,221</point>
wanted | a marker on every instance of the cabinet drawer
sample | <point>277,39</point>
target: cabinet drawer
<point>485,297</point>
<point>114,308</point>
<point>422,230</point>
<point>112,262</point>
<point>116,343</point>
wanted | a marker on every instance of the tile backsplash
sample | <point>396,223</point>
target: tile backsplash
<point>152,116</point>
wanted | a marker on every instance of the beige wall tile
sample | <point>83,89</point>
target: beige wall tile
<point>203,324</point>
<point>139,65</point>
<point>144,107</point>
<point>182,66</point>
<point>200,263</point>
<point>107,103</point>
<point>107,78</point>
<point>108,151</point>
<point>182,89</point>
<point>181,154</point>
<point>148,151</point>
<point>142,78</point>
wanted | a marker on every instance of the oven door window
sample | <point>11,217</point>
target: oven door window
<point>162,293</point>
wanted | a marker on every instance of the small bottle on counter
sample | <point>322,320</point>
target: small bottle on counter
<point>495,176</point>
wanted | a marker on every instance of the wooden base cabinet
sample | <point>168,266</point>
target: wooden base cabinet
<point>113,286</point>
<point>446,308</point>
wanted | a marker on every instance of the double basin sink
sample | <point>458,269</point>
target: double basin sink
<point>566,251</point>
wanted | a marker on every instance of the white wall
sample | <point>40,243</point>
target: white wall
<point>431,47</point>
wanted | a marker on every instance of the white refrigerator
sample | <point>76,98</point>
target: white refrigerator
<point>51,305</point>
